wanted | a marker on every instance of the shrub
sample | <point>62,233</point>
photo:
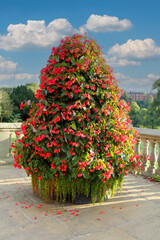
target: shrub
<point>77,139</point>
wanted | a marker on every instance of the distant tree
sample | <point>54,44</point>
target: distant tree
<point>32,86</point>
<point>154,109</point>
<point>6,106</point>
<point>135,114</point>
<point>150,100</point>
<point>134,107</point>
<point>126,97</point>
<point>151,119</point>
<point>156,101</point>
<point>143,113</point>
<point>18,95</point>
<point>6,89</point>
<point>143,103</point>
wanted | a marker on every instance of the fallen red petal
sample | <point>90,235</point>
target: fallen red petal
<point>59,213</point>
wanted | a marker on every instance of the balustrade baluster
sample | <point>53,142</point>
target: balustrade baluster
<point>6,130</point>
<point>10,149</point>
<point>137,147</point>
<point>145,153</point>
<point>153,157</point>
<point>158,161</point>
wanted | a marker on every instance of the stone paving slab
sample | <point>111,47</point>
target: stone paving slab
<point>133,214</point>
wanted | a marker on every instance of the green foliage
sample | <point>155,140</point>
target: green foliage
<point>32,86</point>
<point>6,106</point>
<point>144,113</point>
<point>157,178</point>
<point>135,114</point>
<point>155,105</point>
<point>20,94</point>
<point>126,97</point>
<point>77,139</point>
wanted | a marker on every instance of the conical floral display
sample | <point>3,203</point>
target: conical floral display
<point>77,139</point>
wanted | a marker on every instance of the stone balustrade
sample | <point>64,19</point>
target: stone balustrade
<point>151,156</point>
<point>6,131</point>
<point>147,145</point>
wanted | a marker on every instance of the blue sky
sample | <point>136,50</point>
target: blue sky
<point>128,31</point>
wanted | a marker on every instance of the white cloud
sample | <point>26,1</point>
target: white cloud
<point>26,76</point>
<point>105,23</point>
<point>134,84</point>
<point>4,86</point>
<point>19,77</point>
<point>116,62</point>
<point>6,77</point>
<point>121,76</point>
<point>10,74</point>
<point>136,49</point>
<point>35,34</point>
<point>153,76</point>
<point>6,65</point>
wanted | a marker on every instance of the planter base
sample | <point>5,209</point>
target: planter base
<point>82,199</point>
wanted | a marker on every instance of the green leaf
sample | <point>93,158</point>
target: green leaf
<point>75,161</point>
<point>57,58</point>
<point>74,126</point>
<point>97,92</point>
<point>85,174</point>
<point>73,60</point>
<point>72,95</point>
<point>63,94</point>
<point>63,149</point>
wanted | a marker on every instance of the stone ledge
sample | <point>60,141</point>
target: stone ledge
<point>7,161</point>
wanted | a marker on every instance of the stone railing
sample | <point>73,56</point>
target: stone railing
<point>150,140</point>
<point>6,131</point>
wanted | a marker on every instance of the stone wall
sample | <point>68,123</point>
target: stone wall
<point>6,130</point>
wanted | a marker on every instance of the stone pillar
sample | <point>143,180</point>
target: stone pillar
<point>137,147</point>
<point>153,157</point>
<point>6,129</point>
<point>145,153</point>
<point>158,161</point>
<point>4,143</point>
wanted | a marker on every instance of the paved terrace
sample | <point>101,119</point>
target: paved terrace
<point>133,215</point>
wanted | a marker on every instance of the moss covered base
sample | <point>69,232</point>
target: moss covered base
<point>77,190</point>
